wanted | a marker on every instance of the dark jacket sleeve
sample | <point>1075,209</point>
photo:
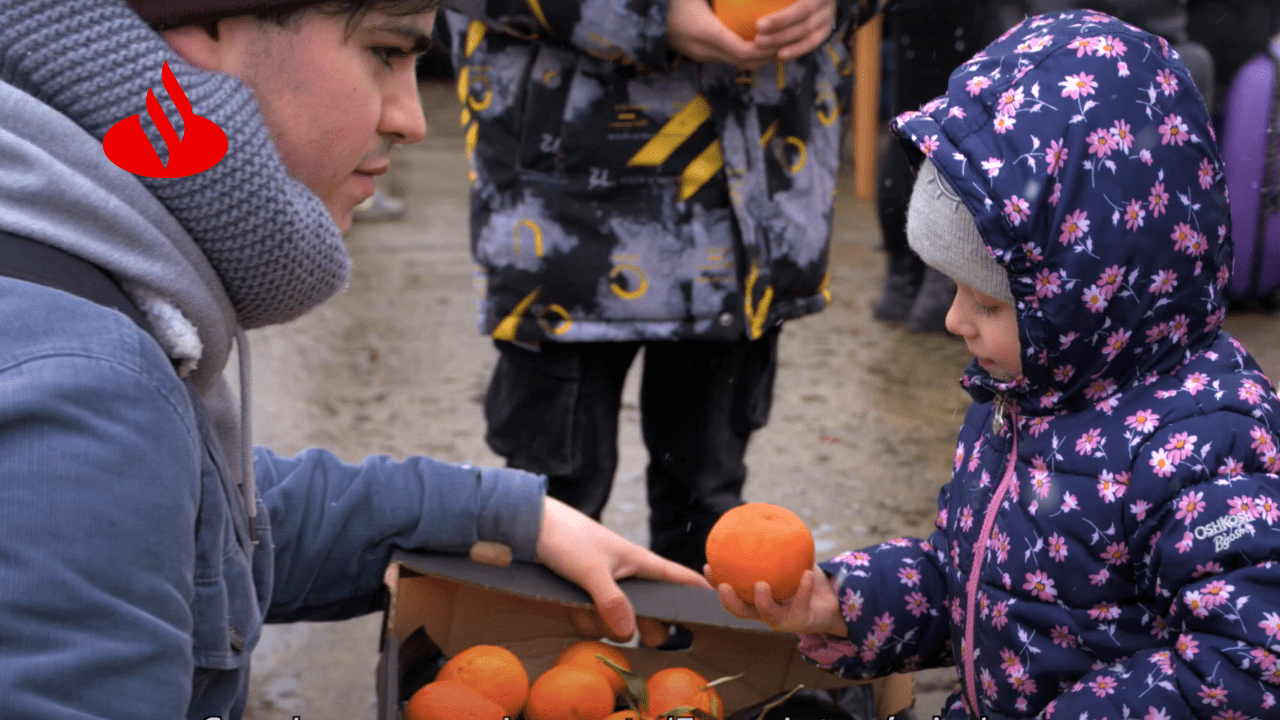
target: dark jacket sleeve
<point>631,32</point>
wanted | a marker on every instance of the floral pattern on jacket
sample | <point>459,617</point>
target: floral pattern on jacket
<point>1106,546</point>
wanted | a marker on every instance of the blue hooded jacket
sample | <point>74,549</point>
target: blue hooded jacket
<point>1105,547</point>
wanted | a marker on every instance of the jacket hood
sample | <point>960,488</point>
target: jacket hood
<point>1086,156</point>
<point>59,188</point>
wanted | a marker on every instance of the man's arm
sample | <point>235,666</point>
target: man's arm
<point>334,525</point>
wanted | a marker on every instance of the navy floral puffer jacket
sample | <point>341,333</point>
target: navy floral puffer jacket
<point>1106,546</point>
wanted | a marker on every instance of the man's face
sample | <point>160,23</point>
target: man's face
<point>334,96</point>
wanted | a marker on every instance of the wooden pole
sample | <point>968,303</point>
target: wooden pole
<point>866,106</point>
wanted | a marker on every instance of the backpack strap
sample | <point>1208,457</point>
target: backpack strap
<point>42,264</point>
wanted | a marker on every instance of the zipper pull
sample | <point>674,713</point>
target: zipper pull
<point>997,420</point>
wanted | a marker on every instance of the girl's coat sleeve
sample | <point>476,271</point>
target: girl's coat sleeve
<point>893,599</point>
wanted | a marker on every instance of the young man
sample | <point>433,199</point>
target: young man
<point>139,559</point>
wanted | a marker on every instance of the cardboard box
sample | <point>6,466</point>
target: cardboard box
<point>524,608</point>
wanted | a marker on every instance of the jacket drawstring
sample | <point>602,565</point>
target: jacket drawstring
<point>980,550</point>
<point>248,486</point>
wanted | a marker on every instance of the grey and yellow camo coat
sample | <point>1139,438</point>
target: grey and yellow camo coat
<point>621,193</point>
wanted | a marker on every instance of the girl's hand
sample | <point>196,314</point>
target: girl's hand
<point>814,609</point>
<point>796,29</point>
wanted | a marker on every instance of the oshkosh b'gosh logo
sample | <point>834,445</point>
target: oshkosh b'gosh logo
<point>201,146</point>
<point>1226,530</point>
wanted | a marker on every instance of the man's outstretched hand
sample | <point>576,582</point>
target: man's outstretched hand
<point>594,557</point>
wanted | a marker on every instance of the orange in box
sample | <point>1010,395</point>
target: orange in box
<point>741,15</point>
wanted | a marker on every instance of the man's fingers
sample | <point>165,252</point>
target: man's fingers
<point>587,623</point>
<point>667,572</point>
<point>652,632</point>
<point>614,608</point>
<point>656,567</point>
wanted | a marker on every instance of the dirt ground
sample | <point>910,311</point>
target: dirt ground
<point>858,443</point>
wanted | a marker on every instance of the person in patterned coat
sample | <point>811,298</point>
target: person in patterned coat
<point>1107,544</point>
<point>641,176</point>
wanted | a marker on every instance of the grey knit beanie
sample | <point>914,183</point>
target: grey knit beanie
<point>271,241</point>
<point>942,232</point>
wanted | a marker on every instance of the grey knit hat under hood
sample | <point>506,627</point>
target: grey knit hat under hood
<point>942,232</point>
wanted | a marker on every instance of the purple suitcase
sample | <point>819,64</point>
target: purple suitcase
<point>1251,151</point>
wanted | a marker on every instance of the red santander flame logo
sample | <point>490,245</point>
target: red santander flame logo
<point>201,146</point>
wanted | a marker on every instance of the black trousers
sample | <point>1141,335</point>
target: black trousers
<point>555,412</point>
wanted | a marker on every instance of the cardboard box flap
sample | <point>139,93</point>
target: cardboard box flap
<point>659,600</point>
<point>461,603</point>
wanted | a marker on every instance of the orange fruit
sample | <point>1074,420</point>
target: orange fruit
<point>584,654</point>
<point>759,541</point>
<point>494,672</point>
<point>569,692</point>
<point>680,687</point>
<point>741,15</point>
<point>448,700</point>
<point>627,714</point>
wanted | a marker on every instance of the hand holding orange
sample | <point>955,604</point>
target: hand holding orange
<point>741,15</point>
<point>760,541</point>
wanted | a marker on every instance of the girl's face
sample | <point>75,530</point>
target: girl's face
<point>990,329</point>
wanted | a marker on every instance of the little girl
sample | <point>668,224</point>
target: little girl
<point>1106,545</point>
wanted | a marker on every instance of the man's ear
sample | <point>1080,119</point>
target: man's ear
<point>196,46</point>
